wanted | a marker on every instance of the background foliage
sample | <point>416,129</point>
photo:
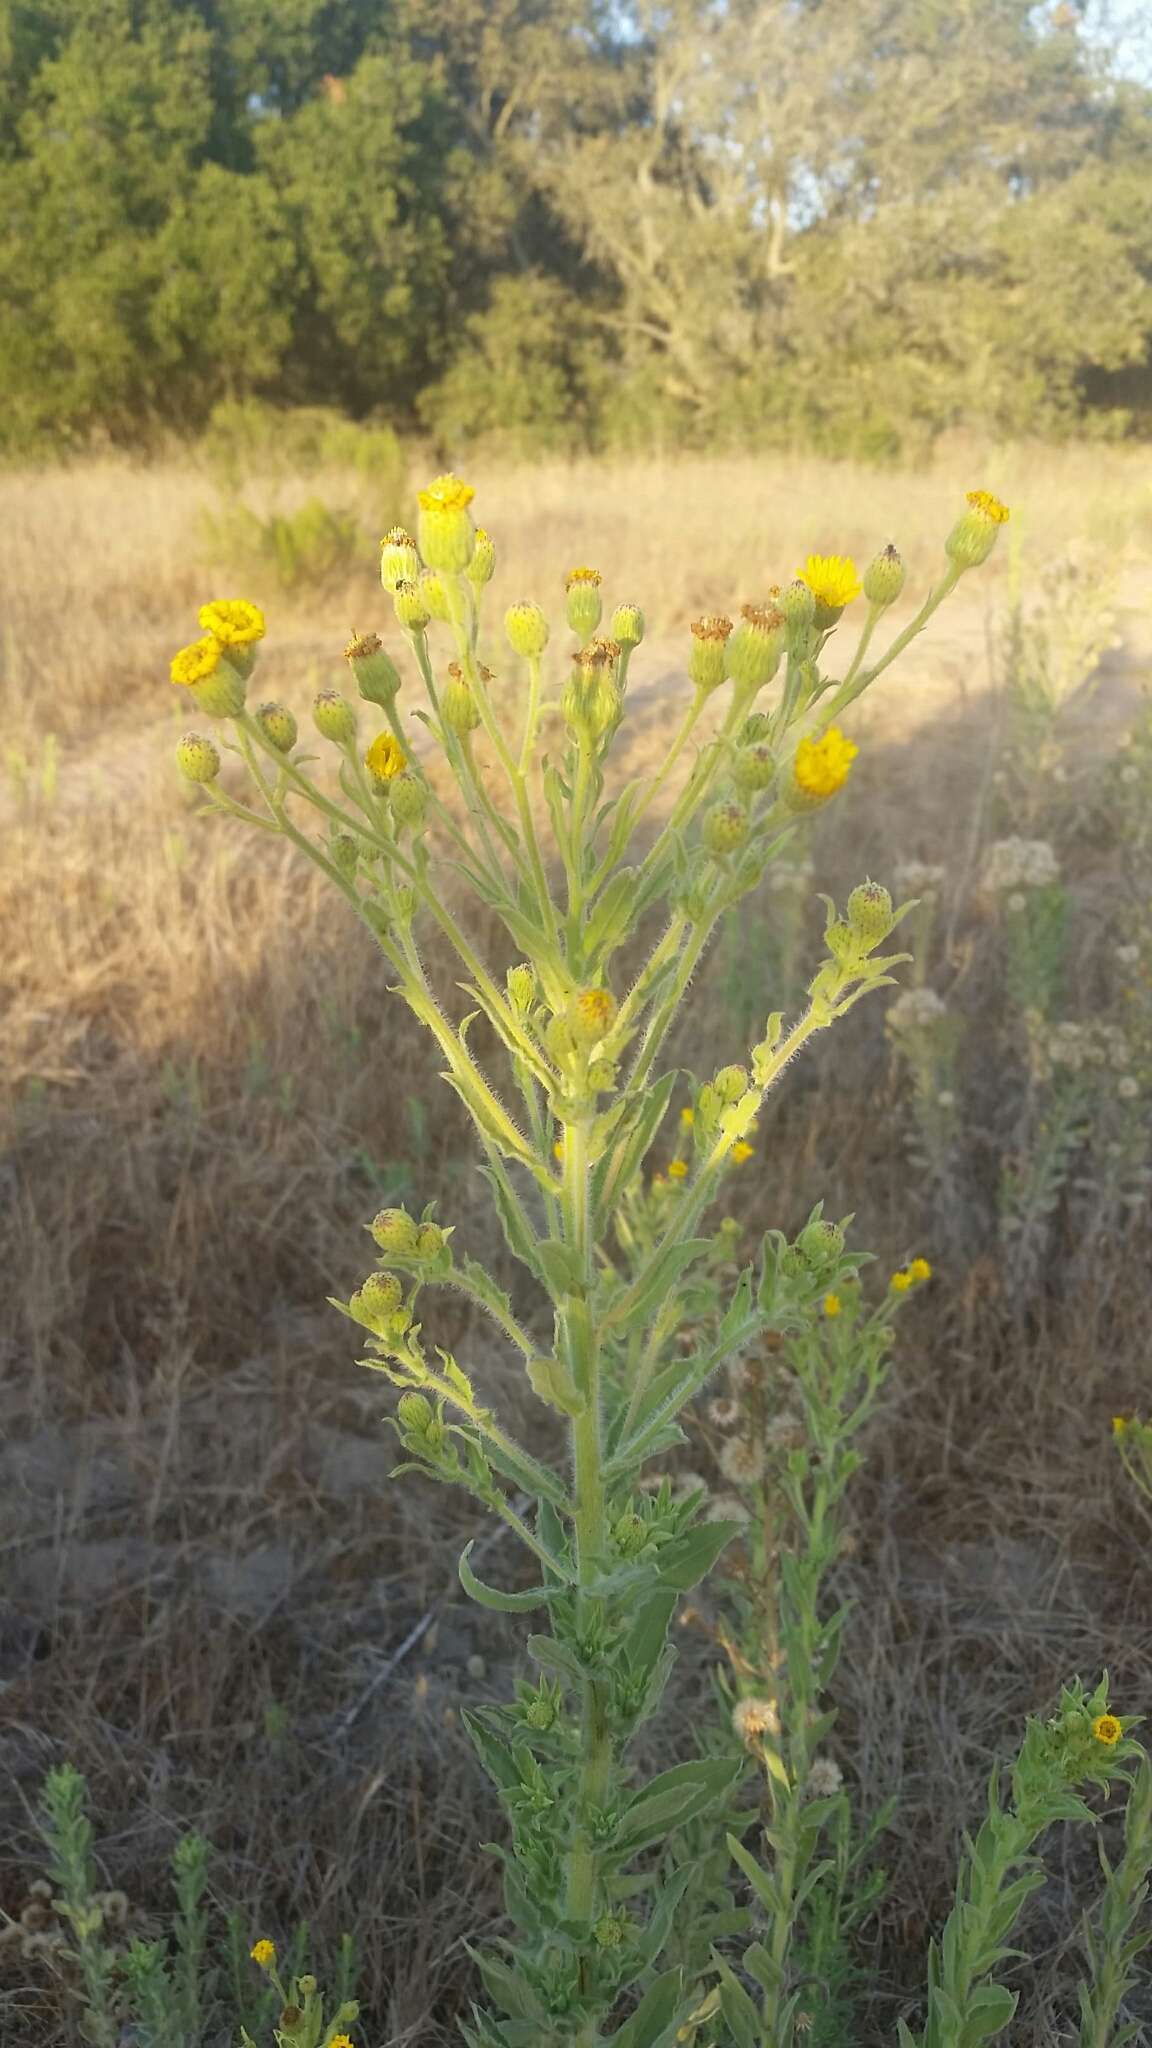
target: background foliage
<point>854,223</point>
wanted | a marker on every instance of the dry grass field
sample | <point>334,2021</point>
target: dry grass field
<point>212,1601</point>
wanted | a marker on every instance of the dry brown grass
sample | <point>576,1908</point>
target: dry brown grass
<point>209,1091</point>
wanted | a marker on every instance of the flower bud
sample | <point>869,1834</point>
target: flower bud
<point>821,1242</point>
<point>406,901</point>
<point>974,536</point>
<point>395,1233</point>
<point>591,1015</point>
<point>377,677</point>
<point>630,1534</point>
<point>602,1076</point>
<point>869,911</point>
<point>754,769</point>
<point>521,981</point>
<point>344,853</point>
<point>884,578</point>
<point>756,646</point>
<point>458,707</point>
<point>708,657</point>
<point>399,561</point>
<point>434,595</point>
<point>445,531</point>
<point>197,758</point>
<point>409,801</point>
<point>277,725</point>
<point>414,1413</point>
<point>583,607</point>
<point>334,718</point>
<point>385,759</point>
<point>731,1083</point>
<point>844,943</point>
<point>756,727</point>
<point>380,1296</point>
<point>591,700</point>
<point>409,606</point>
<point>482,567</point>
<point>725,829</point>
<point>430,1241</point>
<point>527,629</point>
<point>627,627</point>
<point>798,605</point>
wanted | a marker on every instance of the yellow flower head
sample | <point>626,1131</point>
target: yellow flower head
<point>1106,1728</point>
<point>678,1169</point>
<point>1120,1425</point>
<point>340,2041</point>
<point>687,1117</point>
<point>591,576</point>
<point>558,1151</point>
<point>989,506</point>
<point>919,1271</point>
<point>900,1283</point>
<point>385,757</point>
<point>832,1304</point>
<point>264,1953</point>
<point>196,663</point>
<point>832,579</point>
<point>821,766</point>
<point>446,494</point>
<point>741,1152</point>
<point>234,621</point>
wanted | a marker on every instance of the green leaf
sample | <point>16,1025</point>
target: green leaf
<point>620,1165</point>
<point>551,1381</point>
<point>659,1280</point>
<point>654,2022</point>
<point>491,1596</point>
<point>672,1798</point>
<point>496,1755</point>
<point>513,1223</point>
<point>506,1987</point>
<point>689,1558</point>
<point>737,2008</point>
<point>649,1631</point>
<point>556,1656</point>
<point>561,1267</point>
<point>988,2010</point>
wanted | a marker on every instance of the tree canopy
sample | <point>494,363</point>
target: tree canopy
<point>847,223</point>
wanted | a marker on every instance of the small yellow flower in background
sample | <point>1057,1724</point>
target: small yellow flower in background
<point>194,664</point>
<point>678,1170</point>
<point>264,1953</point>
<point>234,621</point>
<point>832,1304</point>
<point>832,579</point>
<point>821,766</point>
<point>1106,1728</point>
<point>558,1150</point>
<point>919,1271</point>
<point>741,1152</point>
<point>340,2041</point>
<point>991,506</point>
<point>385,757</point>
<point>1121,1424</point>
<point>900,1283</point>
<point>687,1117</point>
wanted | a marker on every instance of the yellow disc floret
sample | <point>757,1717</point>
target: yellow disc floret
<point>832,1304</point>
<point>234,621</point>
<point>1106,1728</point>
<point>821,766</point>
<point>385,757</point>
<point>194,664</point>
<point>446,494</point>
<point>919,1271</point>
<point>264,1953</point>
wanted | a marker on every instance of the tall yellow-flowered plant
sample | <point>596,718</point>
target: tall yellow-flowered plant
<point>573,862</point>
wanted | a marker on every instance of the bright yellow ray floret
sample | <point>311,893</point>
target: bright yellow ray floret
<point>821,766</point>
<point>195,663</point>
<point>832,579</point>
